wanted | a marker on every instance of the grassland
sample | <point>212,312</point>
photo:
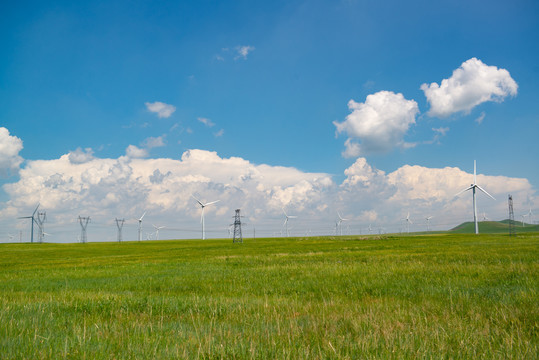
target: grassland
<point>436,296</point>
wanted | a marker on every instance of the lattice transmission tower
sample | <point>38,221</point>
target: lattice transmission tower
<point>120,224</point>
<point>40,219</point>
<point>237,228</point>
<point>83,224</point>
<point>512,230</point>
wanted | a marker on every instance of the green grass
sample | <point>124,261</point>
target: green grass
<point>431,296</point>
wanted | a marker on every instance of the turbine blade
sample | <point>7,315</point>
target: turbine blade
<point>142,216</point>
<point>35,209</point>
<point>284,212</point>
<point>213,202</point>
<point>474,174</point>
<point>483,190</point>
<point>198,201</point>
<point>468,188</point>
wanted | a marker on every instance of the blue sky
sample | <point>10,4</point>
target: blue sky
<point>268,83</point>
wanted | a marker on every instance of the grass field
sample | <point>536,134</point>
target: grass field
<point>438,296</point>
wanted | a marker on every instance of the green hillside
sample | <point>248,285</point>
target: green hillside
<point>493,227</point>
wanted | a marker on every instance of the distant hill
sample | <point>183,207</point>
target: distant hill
<point>493,227</point>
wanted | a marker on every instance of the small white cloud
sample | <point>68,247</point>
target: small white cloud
<point>206,121</point>
<point>153,142</point>
<point>380,123</point>
<point>80,156</point>
<point>243,51</point>
<point>10,146</point>
<point>473,83</point>
<point>135,152</point>
<point>480,119</point>
<point>442,131</point>
<point>219,133</point>
<point>161,109</point>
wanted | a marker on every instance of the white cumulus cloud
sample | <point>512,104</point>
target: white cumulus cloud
<point>161,109</point>
<point>473,83</point>
<point>10,146</point>
<point>380,123</point>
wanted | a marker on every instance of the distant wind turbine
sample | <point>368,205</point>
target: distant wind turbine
<point>157,228</point>
<point>408,222</point>
<point>473,187</point>
<point>140,227</point>
<point>428,220</point>
<point>286,221</point>
<point>203,205</point>
<point>341,219</point>
<point>33,221</point>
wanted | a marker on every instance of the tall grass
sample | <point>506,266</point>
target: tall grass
<point>438,296</point>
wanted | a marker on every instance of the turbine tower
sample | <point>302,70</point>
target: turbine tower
<point>473,187</point>
<point>140,227</point>
<point>203,205</point>
<point>120,224</point>
<point>286,221</point>
<point>33,220</point>
<point>341,219</point>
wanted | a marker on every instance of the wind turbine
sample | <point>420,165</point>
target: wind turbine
<point>341,219</point>
<point>33,220</point>
<point>11,237</point>
<point>286,221</point>
<point>157,228</point>
<point>140,227</point>
<point>523,216</point>
<point>473,187</point>
<point>203,205</point>
<point>408,222</point>
<point>428,219</point>
<point>485,218</point>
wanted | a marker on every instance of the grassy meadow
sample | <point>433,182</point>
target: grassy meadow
<point>441,296</point>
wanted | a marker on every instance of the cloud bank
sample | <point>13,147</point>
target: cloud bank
<point>128,186</point>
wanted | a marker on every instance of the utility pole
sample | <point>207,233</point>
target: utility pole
<point>83,224</point>
<point>120,224</point>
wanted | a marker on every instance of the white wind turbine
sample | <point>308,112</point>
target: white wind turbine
<point>473,187</point>
<point>286,221</point>
<point>140,227</point>
<point>157,228</point>
<point>428,220</point>
<point>203,205</point>
<point>341,219</point>
<point>408,222</point>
